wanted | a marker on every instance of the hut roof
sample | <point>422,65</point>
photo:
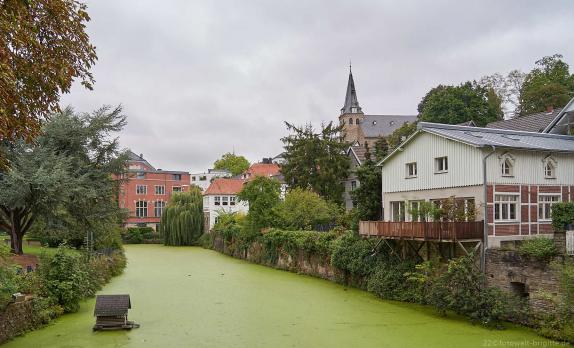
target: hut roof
<point>111,305</point>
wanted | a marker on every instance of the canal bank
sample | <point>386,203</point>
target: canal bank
<point>189,296</point>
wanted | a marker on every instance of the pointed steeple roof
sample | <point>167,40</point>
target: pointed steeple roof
<point>351,101</point>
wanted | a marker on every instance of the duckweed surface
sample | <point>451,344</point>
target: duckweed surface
<point>191,297</point>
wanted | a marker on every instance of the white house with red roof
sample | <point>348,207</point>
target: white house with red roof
<point>221,196</point>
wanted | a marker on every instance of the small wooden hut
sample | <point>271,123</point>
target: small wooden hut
<point>111,312</point>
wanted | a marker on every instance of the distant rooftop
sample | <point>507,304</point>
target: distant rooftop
<point>529,123</point>
<point>484,137</point>
<point>383,125</point>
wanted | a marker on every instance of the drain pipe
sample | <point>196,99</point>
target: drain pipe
<point>485,217</point>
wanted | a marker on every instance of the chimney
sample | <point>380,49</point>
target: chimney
<point>549,109</point>
<point>141,155</point>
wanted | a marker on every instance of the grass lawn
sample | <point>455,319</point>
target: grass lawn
<point>32,249</point>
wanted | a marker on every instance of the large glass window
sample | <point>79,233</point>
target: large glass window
<point>217,200</point>
<point>545,203</point>
<point>232,200</point>
<point>141,209</point>
<point>158,208</point>
<point>398,211</point>
<point>160,190</point>
<point>225,200</point>
<point>505,207</point>
<point>177,177</point>
<point>415,211</point>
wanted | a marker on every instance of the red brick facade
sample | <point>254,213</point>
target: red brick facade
<point>146,188</point>
<point>527,206</point>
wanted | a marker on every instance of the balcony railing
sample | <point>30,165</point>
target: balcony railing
<point>429,231</point>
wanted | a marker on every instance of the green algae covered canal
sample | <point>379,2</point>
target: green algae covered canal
<point>191,297</point>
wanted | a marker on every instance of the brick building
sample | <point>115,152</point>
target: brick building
<point>146,190</point>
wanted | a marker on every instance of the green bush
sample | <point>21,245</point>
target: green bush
<point>65,278</point>
<point>292,242</point>
<point>462,289</point>
<point>304,210</point>
<point>540,248</point>
<point>138,235</point>
<point>68,277</point>
<point>562,215</point>
<point>9,280</point>
<point>353,254</point>
<point>390,281</point>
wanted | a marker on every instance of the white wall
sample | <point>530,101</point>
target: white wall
<point>214,210</point>
<point>464,165</point>
<point>529,168</point>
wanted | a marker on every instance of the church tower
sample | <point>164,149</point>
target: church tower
<point>351,114</point>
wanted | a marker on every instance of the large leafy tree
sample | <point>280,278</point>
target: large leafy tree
<point>263,194</point>
<point>316,160</point>
<point>548,84</point>
<point>458,104</point>
<point>232,163</point>
<point>367,197</point>
<point>64,179</point>
<point>43,48</point>
<point>182,220</point>
<point>303,209</point>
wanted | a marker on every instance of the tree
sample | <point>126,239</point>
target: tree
<point>507,90</point>
<point>232,163</point>
<point>262,193</point>
<point>458,104</point>
<point>303,209</point>
<point>316,161</point>
<point>367,197</point>
<point>401,134</point>
<point>43,48</point>
<point>182,219</point>
<point>64,178</point>
<point>549,84</point>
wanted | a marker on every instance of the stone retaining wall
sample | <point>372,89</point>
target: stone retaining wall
<point>16,319</point>
<point>512,272</point>
<point>303,263</point>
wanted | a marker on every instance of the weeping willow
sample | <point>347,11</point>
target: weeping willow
<point>182,219</point>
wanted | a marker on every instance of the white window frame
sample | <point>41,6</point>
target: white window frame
<point>141,209</point>
<point>499,207</point>
<point>411,170</point>
<point>140,188</point>
<point>545,207</point>
<point>232,200</point>
<point>225,200</point>
<point>217,200</point>
<point>441,165</point>
<point>159,190</point>
<point>158,205</point>
<point>401,213</point>
<point>549,168</point>
<point>176,189</point>
<point>418,204</point>
<point>507,164</point>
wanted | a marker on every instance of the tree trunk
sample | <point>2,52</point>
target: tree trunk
<point>16,235</point>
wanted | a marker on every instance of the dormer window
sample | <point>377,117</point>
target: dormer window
<point>507,168</point>
<point>549,168</point>
<point>507,165</point>
<point>354,110</point>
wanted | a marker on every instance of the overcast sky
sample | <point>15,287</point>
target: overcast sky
<point>201,78</point>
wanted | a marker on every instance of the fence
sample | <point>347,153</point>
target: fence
<point>438,230</point>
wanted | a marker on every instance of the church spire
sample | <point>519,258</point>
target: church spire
<point>351,103</point>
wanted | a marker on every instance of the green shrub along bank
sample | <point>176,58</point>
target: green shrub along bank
<point>140,235</point>
<point>63,279</point>
<point>456,287</point>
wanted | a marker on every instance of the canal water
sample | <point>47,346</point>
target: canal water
<point>191,297</point>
